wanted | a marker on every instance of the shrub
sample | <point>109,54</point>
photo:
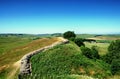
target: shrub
<point>94,52</point>
<point>79,42</point>
<point>69,34</point>
<point>86,51</point>
<point>72,39</point>
<point>113,56</point>
<point>113,51</point>
<point>115,66</point>
<point>90,53</point>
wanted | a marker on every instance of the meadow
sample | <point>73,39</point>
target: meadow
<point>60,62</point>
<point>13,48</point>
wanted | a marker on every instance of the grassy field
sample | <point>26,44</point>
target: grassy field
<point>101,47</point>
<point>106,37</point>
<point>99,37</point>
<point>85,35</point>
<point>66,62</point>
<point>13,48</point>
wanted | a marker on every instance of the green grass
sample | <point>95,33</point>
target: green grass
<point>106,37</point>
<point>101,47</point>
<point>13,48</point>
<point>9,43</point>
<point>85,35</point>
<point>66,60</point>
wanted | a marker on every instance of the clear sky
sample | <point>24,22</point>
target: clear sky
<point>58,16</point>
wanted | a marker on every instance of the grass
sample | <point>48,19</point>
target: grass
<point>63,61</point>
<point>101,47</point>
<point>106,37</point>
<point>14,48</point>
<point>66,60</point>
<point>85,35</point>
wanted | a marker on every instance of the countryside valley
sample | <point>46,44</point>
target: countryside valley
<point>85,56</point>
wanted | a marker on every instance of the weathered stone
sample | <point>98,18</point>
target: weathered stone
<point>25,67</point>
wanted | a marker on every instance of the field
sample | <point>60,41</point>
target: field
<point>101,47</point>
<point>99,37</point>
<point>63,61</point>
<point>13,48</point>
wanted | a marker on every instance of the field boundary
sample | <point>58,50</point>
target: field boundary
<point>25,65</point>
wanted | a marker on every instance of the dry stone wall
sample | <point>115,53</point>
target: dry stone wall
<point>25,67</point>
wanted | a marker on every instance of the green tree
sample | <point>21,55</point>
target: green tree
<point>86,51</point>
<point>115,66</point>
<point>79,42</point>
<point>95,53</point>
<point>113,52</point>
<point>90,53</point>
<point>69,34</point>
<point>113,56</point>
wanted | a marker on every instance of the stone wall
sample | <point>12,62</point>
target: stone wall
<point>25,67</point>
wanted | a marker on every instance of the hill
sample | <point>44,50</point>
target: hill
<point>66,62</point>
<point>13,48</point>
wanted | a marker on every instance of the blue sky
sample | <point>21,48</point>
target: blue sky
<point>52,16</point>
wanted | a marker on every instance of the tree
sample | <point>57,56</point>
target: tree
<point>69,34</point>
<point>113,51</point>
<point>95,53</point>
<point>113,56</point>
<point>90,53</point>
<point>79,42</point>
<point>115,66</point>
<point>86,51</point>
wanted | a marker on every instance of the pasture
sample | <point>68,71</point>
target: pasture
<point>13,48</point>
<point>101,47</point>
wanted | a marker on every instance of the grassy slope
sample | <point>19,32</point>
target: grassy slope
<point>66,61</point>
<point>13,48</point>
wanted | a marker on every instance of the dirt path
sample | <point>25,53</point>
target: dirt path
<point>16,65</point>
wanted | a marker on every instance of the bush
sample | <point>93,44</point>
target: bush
<point>115,45</point>
<point>86,51</point>
<point>94,52</point>
<point>79,42</point>
<point>90,53</point>
<point>113,56</point>
<point>113,51</point>
<point>115,66</point>
<point>69,34</point>
<point>72,39</point>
